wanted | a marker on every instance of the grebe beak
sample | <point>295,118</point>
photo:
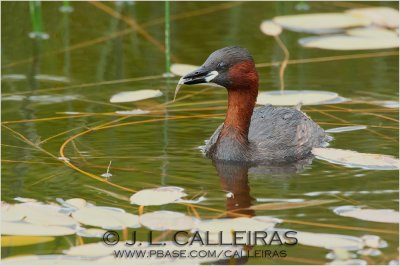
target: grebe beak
<point>198,76</point>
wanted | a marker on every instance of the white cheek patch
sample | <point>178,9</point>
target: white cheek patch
<point>210,76</point>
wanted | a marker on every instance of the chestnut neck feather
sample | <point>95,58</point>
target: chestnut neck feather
<point>242,96</point>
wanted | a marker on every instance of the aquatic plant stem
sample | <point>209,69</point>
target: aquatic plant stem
<point>283,63</point>
<point>36,16</point>
<point>167,38</point>
<point>140,210</point>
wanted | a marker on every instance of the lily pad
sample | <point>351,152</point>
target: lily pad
<point>47,260</point>
<point>28,229</point>
<point>235,224</point>
<point>77,203</point>
<point>167,220</point>
<point>372,32</point>
<point>182,69</point>
<point>355,159</point>
<point>16,241</point>
<point>270,28</point>
<point>348,42</point>
<point>106,218</point>
<point>381,16</point>
<point>389,104</point>
<point>132,112</point>
<point>133,96</point>
<point>292,97</point>
<point>373,215</point>
<point>91,232</point>
<point>157,196</point>
<point>98,249</point>
<point>348,262</point>
<point>329,241</point>
<point>321,22</point>
<point>36,213</point>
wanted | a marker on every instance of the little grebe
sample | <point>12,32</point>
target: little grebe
<point>268,133</point>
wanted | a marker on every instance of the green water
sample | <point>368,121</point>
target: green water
<point>160,148</point>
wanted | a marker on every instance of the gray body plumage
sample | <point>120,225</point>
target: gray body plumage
<point>276,134</point>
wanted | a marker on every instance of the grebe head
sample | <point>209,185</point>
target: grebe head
<point>231,67</point>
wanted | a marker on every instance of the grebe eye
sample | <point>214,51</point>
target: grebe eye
<point>221,65</point>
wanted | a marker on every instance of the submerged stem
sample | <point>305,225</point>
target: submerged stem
<point>167,37</point>
<point>283,63</point>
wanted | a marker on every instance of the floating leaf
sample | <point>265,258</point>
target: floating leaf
<point>372,33</point>
<point>27,229</point>
<point>182,69</point>
<point>381,16</point>
<point>373,241</point>
<point>345,129</point>
<point>329,241</point>
<point>49,99</point>
<point>355,159</point>
<point>157,196</point>
<point>46,260</point>
<point>270,28</point>
<point>390,104</point>
<point>133,96</point>
<point>36,213</point>
<point>348,262</point>
<point>347,42</point>
<point>106,218</point>
<point>40,77</point>
<point>167,220</point>
<point>91,232</point>
<point>235,224</point>
<point>369,252</point>
<point>77,203</point>
<point>290,205</point>
<point>16,241</point>
<point>132,112</point>
<point>373,215</point>
<point>98,249</point>
<point>321,22</point>
<point>292,97</point>
<point>24,200</point>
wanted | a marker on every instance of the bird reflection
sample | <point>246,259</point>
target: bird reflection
<point>234,179</point>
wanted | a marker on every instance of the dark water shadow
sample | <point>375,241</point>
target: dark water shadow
<point>234,178</point>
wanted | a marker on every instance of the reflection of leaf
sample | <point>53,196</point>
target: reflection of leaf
<point>321,22</point>
<point>292,97</point>
<point>373,215</point>
<point>15,241</point>
<point>356,159</point>
<point>290,205</point>
<point>133,96</point>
